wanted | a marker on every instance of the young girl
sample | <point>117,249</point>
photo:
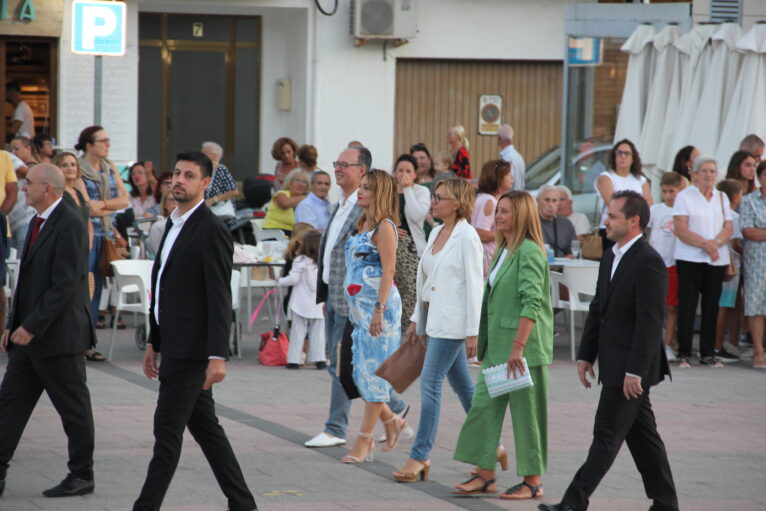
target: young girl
<point>730,303</point>
<point>307,316</point>
<point>296,238</point>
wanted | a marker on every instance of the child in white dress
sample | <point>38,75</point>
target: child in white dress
<point>307,315</point>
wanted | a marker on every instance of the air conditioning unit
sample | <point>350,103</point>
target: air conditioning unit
<point>383,19</point>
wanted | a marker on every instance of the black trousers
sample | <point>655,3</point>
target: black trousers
<point>631,421</point>
<point>182,403</point>
<point>63,379</point>
<point>697,280</point>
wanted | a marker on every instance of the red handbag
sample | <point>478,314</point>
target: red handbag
<point>274,346</point>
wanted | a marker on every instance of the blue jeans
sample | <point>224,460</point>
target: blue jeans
<point>93,257</point>
<point>444,357</point>
<point>337,421</point>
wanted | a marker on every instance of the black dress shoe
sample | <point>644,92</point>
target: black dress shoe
<point>71,486</point>
<point>555,507</point>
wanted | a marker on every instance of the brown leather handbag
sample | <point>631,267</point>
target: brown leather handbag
<point>592,247</point>
<point>404,366</point>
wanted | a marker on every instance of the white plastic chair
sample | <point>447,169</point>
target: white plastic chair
<point>262,234</point>
<point>132,281</point>
<point>579,280</point>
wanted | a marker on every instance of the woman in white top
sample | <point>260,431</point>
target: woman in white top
<point>414,201</point>
<point>625,175</point>
<point>702,222</point>
<point>449,290</point>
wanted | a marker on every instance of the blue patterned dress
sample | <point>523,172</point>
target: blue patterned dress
<point>363,273</point>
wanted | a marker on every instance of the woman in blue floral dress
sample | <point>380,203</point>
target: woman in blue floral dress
<point>375,307</point>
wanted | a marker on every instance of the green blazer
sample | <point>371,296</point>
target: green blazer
<point>522,288</point>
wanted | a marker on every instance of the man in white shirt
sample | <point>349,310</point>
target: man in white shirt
<point>352,164</point>
<point>511,155</point>
<point>579,220</point>
<point>22,124</point>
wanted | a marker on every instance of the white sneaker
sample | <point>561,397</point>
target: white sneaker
<point>325,440</point>
<point>670,354</point>
<point>746,354</point>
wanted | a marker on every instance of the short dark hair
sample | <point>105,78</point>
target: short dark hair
<point>635,205</point>
<point>40,139</point>
<point>317,173</point>
<point>730,187</point>
<point>310,245</point>
<point>760,169</point>
<point>408,158</point>
<point>308,155</point>
<point>205,165</point>
<point>635,166</point>
<point>365,157</point>
<point>12,87</point>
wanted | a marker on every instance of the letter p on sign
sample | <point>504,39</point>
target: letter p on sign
<point>98,27</point>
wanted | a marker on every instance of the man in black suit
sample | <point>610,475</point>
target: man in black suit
<point>49,330</point>
<point>624,330</point>
<point>190,318</point>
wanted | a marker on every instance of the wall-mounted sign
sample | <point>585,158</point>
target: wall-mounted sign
<point>98,27</point>
<point>585,51</point>
<point>490,114</point>
<point>40,18</point>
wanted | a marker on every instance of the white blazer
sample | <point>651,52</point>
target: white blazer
<point>456,286</point>
<point>303,279</point>
<point>417,204</point>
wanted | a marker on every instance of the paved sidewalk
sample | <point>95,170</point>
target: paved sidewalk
<point>712,421</point>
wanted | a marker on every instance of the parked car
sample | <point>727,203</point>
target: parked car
<point>585,165</point>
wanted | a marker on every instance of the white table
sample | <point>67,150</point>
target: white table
<point>580,263</point>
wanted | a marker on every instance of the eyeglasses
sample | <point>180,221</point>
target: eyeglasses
<point>623,153</point>
<point>435,197</point>
<point>345,164</point>
<point>104,140</point>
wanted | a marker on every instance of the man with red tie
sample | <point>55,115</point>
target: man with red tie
<point>49,329</point>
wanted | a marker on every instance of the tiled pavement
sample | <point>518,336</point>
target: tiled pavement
<point>713,422</point>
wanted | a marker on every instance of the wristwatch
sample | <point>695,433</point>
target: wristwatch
<point>379,305</point>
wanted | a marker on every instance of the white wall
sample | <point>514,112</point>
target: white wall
<point>340,92</point>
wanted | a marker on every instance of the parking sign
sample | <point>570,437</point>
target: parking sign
<point>98,27</point>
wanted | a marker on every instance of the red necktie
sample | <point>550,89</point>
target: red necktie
<point>35,232</point>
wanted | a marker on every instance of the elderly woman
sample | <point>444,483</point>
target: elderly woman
<point>284,151</point>
<point>222,189</point>
<point>516,324</point>
<point>458,144</point>
<point>742,168</point>
<point>702,221</point>
<point>495,180</point>
<point>141,193</point>
<point>753,222</point>
<point>106,195</point>
<point>281,211</point>
<point>448,284</point>
<point>625,174</point>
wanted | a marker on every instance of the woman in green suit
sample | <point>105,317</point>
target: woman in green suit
<point>516,323</point>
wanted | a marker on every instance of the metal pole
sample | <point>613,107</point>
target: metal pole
<point>98,63</point>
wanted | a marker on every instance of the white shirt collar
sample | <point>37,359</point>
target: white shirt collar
<point>177,218</point>
<point>621,251</point>
<point>351,199</point>
<point>45,214</point>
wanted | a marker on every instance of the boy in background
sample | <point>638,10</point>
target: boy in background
<point>663,239</point>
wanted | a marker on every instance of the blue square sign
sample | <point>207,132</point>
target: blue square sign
<point>98,27</point>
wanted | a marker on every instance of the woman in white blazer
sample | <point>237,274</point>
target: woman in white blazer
<point>449,291</point>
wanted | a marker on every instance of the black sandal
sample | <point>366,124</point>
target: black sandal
<point>95,356</point>
<point>511,493</point>
<point>483,489</point>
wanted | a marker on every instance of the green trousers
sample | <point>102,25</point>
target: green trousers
<point>480,434</point>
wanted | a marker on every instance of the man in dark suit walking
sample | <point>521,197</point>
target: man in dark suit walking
<point>624,331</point>
<point>190,318</point>
<point>49,330</point>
